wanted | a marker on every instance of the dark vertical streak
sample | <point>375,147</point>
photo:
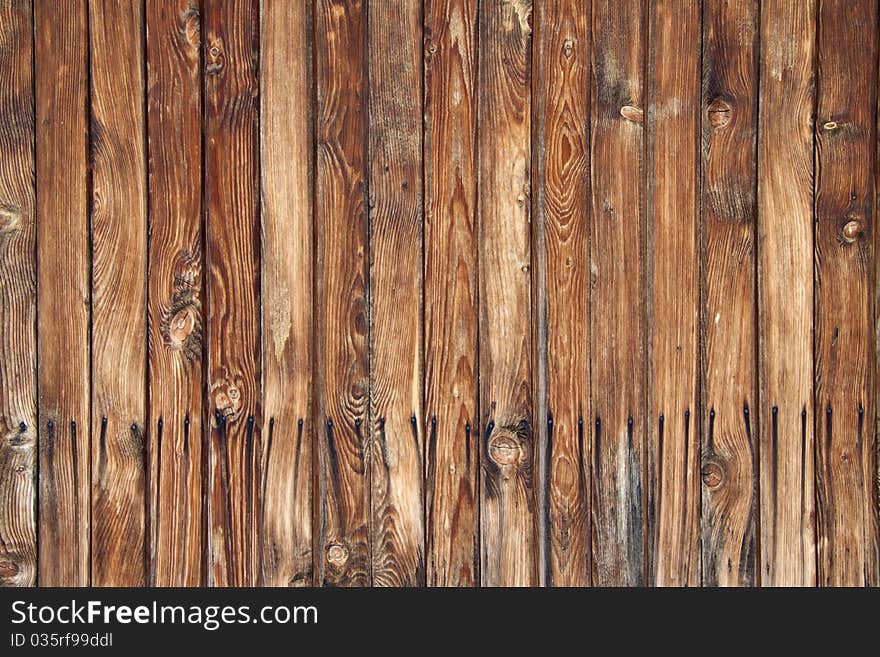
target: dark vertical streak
<point>249,493</point>
<point>548,468</point>
<point>73,458</point>
<point>269,463</point>
<point>224,476</point>
<point>710,443</point>
<point>659,499</point>
<point>684,497</point>
<point>152,533</point>
<point>774,445</point>
<point>184,526</point>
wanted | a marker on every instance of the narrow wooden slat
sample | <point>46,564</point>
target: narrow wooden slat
<point>396,389</point>
<point>673,200</point>
<point>785,292</point>
<point>562,65</point>
<point>18,349</point>
<point>286,154</point>
<point>729,435</point>
<point>451,292</point>
<point>176,319</point>
<point>617,271</point>
<point>509,517</point>
<point>342,553</point>
<point>846,134</point>
<point>63,298</point>
<point>119,251</point>
<point>233,287</point>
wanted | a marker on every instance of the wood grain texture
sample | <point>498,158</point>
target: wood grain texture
<point>176,316</point>
<point>342,552</point>
<point>617,280</point>
<point>18,307</point>
<point>119,254</point>
<point>673,205</point>
<point>451,390</point>
<point>287,169</point>
<point>562,70</point>
<point>846,130</point>
<point>785,293</point>
<point>396,371</point>
<point>61,44</point>
<point>729,432</point>
<point>233,288</point>
<point>509,516</point>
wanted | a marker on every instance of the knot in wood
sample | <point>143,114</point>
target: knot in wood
<point>712,474</point>
<point>852,230</point>
<point>337,555</point>
<point>830,126</point>
<point>181,326</point>
<point>215,59</point>
<point>719,113</point>
<point>504,448</point>
<point>633,114</point>
<point>8,569</point>
<point>567,47</point>
<point>10,219</point>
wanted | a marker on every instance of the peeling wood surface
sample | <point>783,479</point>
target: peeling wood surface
<point>438,292</point>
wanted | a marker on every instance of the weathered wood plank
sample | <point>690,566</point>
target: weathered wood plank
<point>287,168</point>
<point>509,517</point>
<point>785,292</point>
<point>846,134</point>
<point>119,261</point>
<point>176,454</point>
<point>233,288</point>
<point>729,431</point>
<point>673,207</point>
<point>451,392</point>
<point>18,276</point>
<point>617,270</point>
<point>396,388</point>
<point>343,525</point>
<point>562,71</point>
<point>63,290</point>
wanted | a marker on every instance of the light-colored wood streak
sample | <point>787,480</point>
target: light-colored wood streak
<point>846,133</point>
<point>396,389</point>
<point>342,525</point>
<point>451,293</point>
<point>729,431</point>
<point>287,154</point>
<point>509,517</point>
<point>233,287</point>
<point>673,187</point>
<point>18,307</point>
<point>562,68</point>
<point>119,254</point>
<point>176,317</point>
<point>785,292</point>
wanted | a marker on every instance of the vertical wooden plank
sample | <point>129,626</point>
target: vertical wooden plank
<point>785,292</point>
<point>342,552</point>
<point>617,271</point>
<point>233,281</point>
<point>119,249</point>
<point>729,431</point>
<point>561,152</point>
<point>176,320</point>
<point>396,388</point>
<point>673,202</point>
<point>451,292</point>
<point>286,155</point>
<point>18,308</point>
<point>846,133</point>
<point>509,517</point>
<point>63,297</point>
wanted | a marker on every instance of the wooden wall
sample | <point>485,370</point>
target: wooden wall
<point>438,292</point>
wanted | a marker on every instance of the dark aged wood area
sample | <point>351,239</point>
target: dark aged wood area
<point>439,293</point>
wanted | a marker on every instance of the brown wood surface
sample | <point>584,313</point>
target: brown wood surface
<point>672,123</point>
<point>509,514</point>
<point>562,70</point>
<point>176,299</point>
<point>845,205</point>
<point>451,366</point>
<point>396,389</point>
<point>61,46</point>
<point>729,433</point>
<point>785,292</point>
<point>18,304</point>
<point>287,171</point>
<point>119,252</point>
<point>342,542</point>
<point>230,52</point>
<point>617,293</point>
